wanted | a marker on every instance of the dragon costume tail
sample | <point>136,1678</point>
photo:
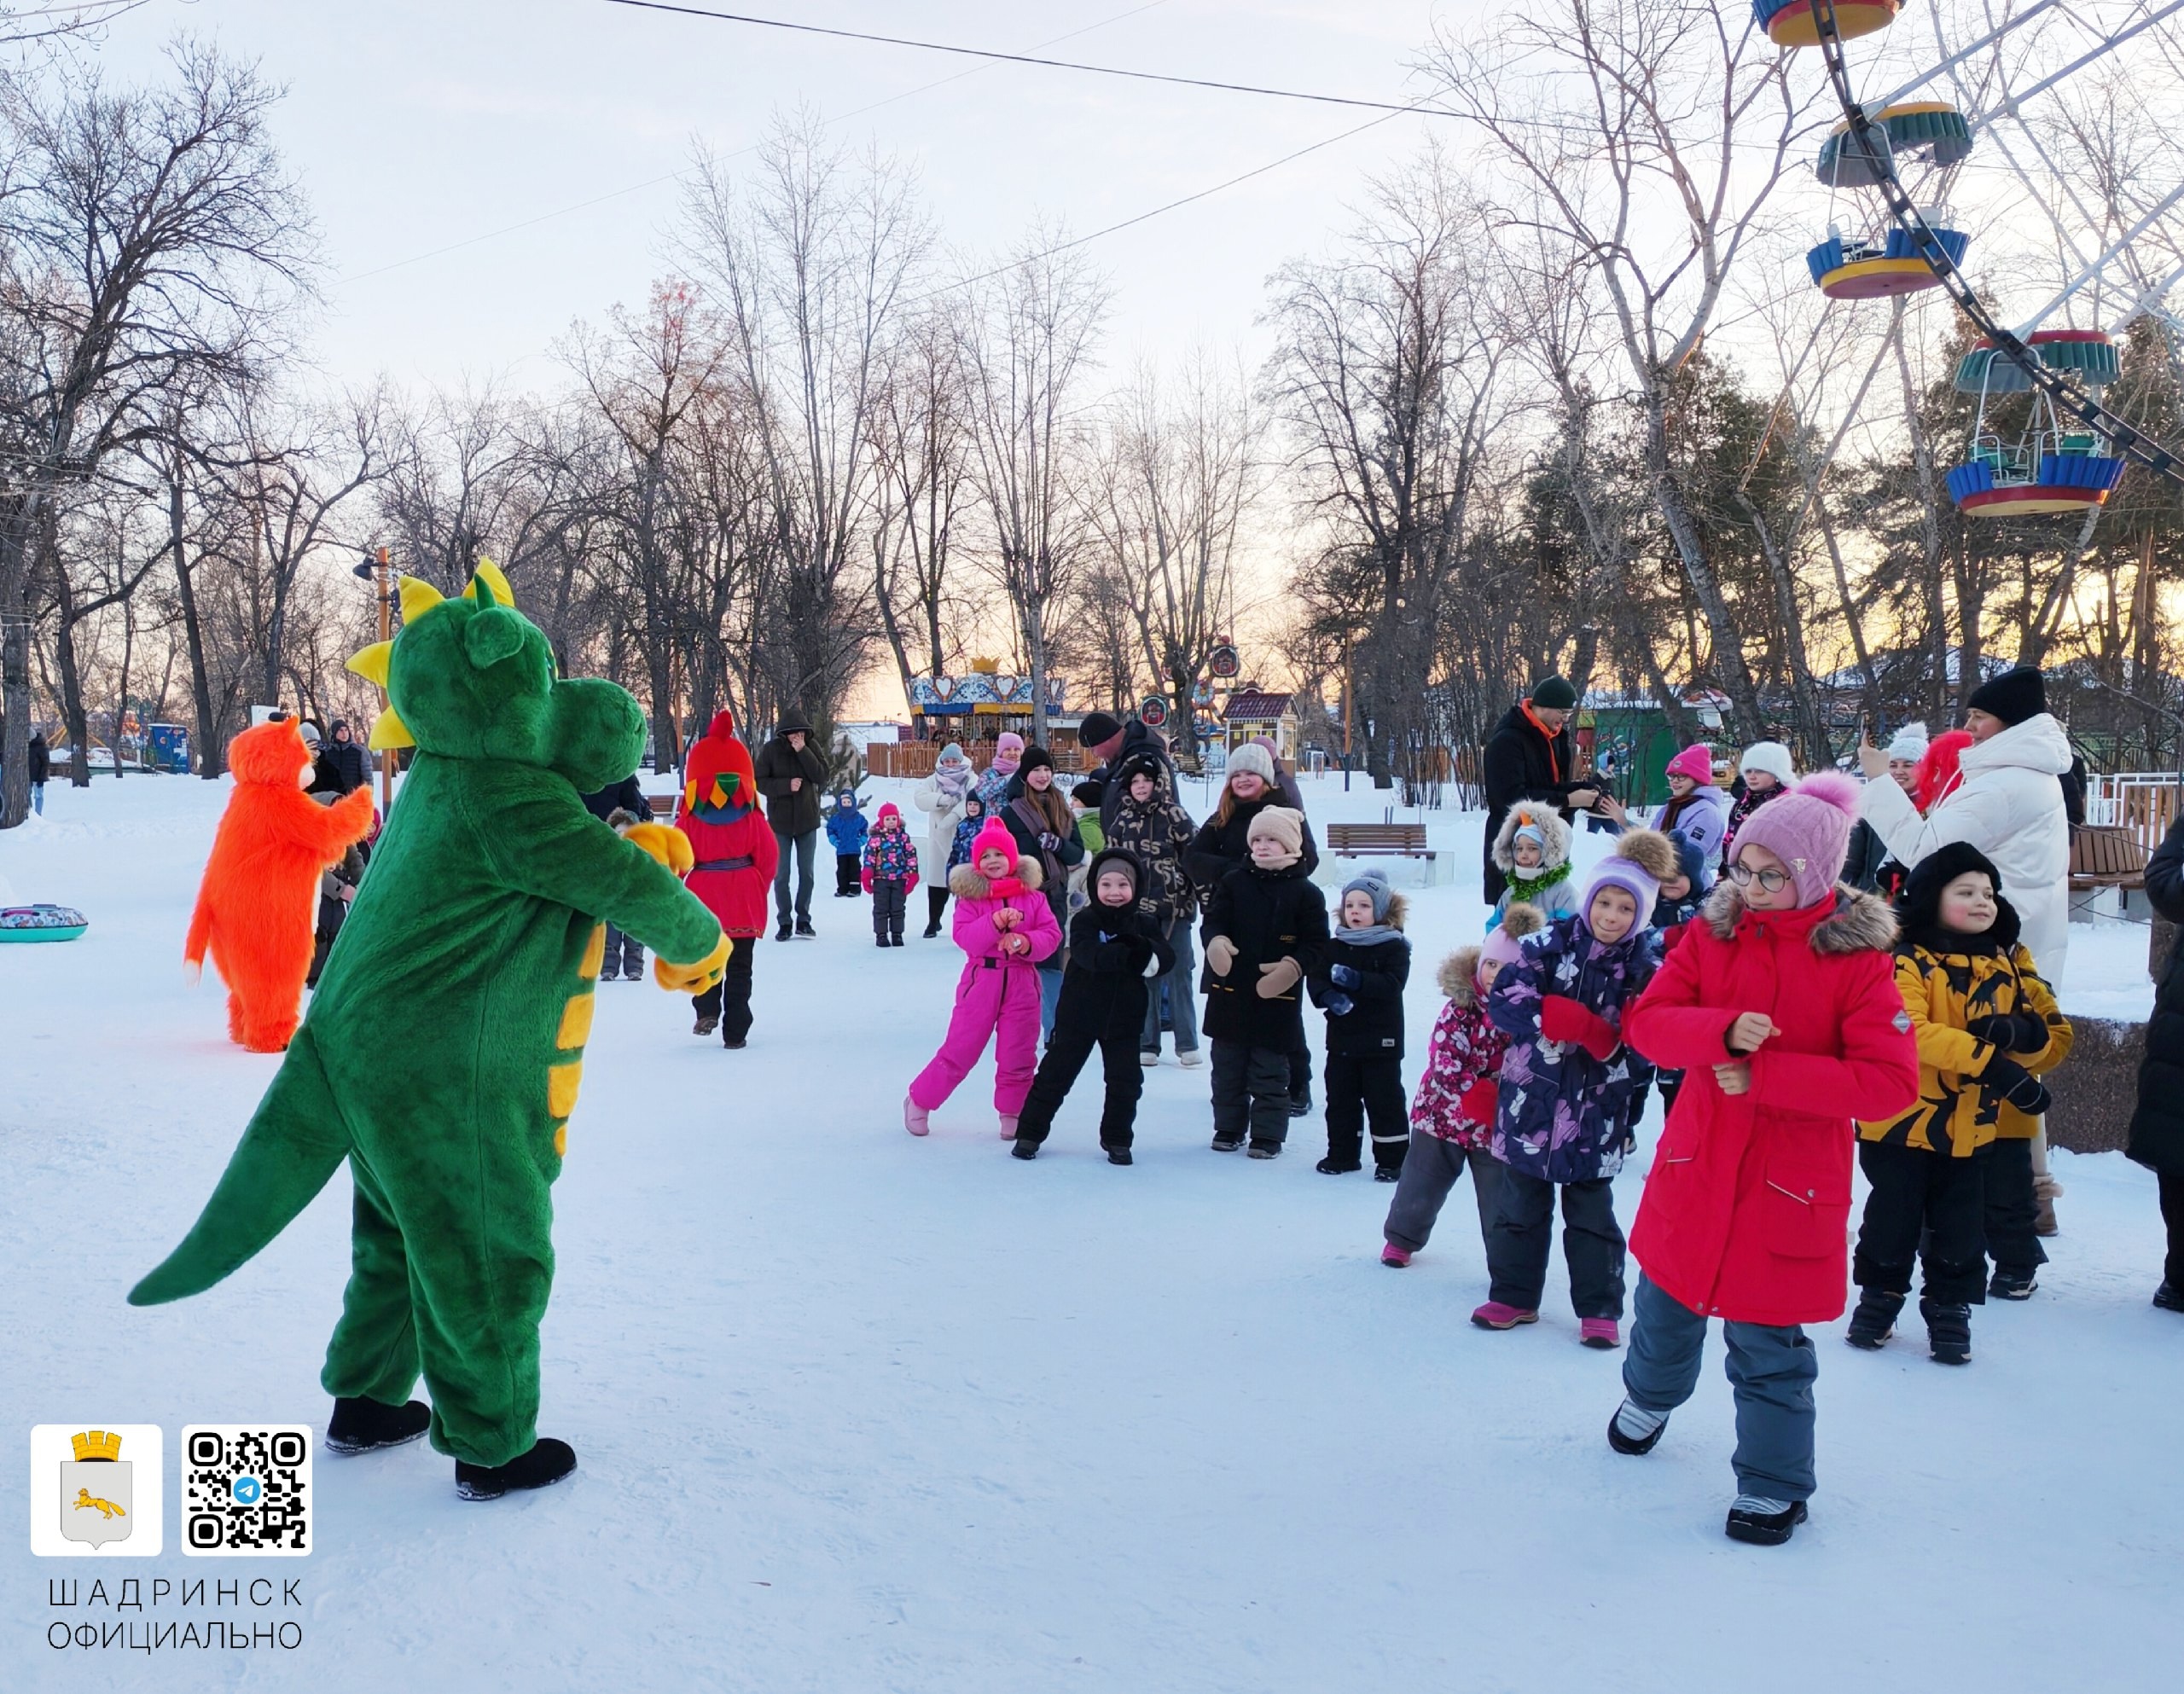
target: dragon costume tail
<point>296,1140</point>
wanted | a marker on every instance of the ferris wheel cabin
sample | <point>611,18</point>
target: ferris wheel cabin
<point>2055,463</point>
<point>1790,23</point>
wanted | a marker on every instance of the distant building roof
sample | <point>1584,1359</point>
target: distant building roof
<point>1255,708</point>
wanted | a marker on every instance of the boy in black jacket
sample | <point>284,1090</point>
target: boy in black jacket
<point>1266,928</point>
<point>1115,946</point>
<point>1359,985</point>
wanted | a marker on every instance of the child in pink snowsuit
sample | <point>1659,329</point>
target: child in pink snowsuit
<point>1005,925</point>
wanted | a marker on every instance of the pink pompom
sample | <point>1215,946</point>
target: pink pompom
<point>1832,788</point>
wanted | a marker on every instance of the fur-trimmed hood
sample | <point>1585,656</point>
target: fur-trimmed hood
<point>966,882</point>
<point>1459,976</point>
<point>1549,824</point>
<point>1860,923</point>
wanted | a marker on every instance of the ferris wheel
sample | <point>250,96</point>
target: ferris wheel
<point>2065,452</point>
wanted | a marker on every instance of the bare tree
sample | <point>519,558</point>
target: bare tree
<point>149,239</point>
<point>924,448</point>
<point>1030,333</point>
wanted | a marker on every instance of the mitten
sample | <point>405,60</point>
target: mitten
<point>1278,978</point>
<point>1050,841</point>
<point>1481,1101</point>
<point>669,846</point>
<point>1343,976</point>
<point>1563,1019</point>
<point>1339,1005</point>
<point>2012,1031</point>
<point>1152,967</point>
<point>2006,1078</point>
<point>1220,955</point>
<point>692,978</point>
<point>865,877</point>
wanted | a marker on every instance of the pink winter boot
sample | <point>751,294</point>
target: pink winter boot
<point>1496,1315</point>
<point>1395,1257</point>
<point>915,1118</point>
<point>1601,1332</point>
<point>1008,1126</point>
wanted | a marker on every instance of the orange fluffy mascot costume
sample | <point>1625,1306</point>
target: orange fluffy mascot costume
<point>256,907</point>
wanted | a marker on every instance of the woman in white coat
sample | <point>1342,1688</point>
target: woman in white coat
<point>941,796</point>
<point>2008,802</point>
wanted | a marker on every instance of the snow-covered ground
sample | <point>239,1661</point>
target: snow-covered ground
<point>860,1412</point>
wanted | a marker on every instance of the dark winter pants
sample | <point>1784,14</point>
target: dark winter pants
<point>1251,1093</point>
<point>729,999</point>
<point>1357,1088</point>
<point>1915,1191</point>
<point>936,903</point>
<point>2172,1213</point>
<point>1300,1076</point>
<point>848,875</point>
<point>1592,1244</point>
<point>1771,1372</point>
<point>2013,1208</point>
<point>799,853</point>
<point>1430,1169</point>
<point>889,895</point>
<point>1058,1070</point>
<point>623,956</point>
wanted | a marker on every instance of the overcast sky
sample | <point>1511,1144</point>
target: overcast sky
<point>418,125</point>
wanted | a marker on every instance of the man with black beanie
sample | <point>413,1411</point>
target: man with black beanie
<point>1530,756</point>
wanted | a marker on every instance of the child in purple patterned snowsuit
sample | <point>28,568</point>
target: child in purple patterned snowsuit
<point>1571,1091</point>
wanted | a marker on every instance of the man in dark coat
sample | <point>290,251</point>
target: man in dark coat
<point>793,776</point>
<point>1530,756</point>
<point>2156,1139</point>
<point>614,805</point>
<point>346,757</point>
<point>41,769</point>
<point>1113,745</point>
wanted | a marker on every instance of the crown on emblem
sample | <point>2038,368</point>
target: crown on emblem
<point>96,1444</point>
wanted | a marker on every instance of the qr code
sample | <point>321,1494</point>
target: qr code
<point>246,1490</point>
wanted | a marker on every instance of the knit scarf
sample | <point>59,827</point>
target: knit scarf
<point>1553,753</point>
<point>953,781</point>
<point>1367,935</point>
<point>1522,887</point>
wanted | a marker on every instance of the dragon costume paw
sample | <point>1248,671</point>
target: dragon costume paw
<point>671,847</point>
<point>693,978</point>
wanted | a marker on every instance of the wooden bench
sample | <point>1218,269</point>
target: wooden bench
<point>1361,840</point>
<point>2102,857</point>
<point>663,807</point>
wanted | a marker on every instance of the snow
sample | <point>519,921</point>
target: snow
<point>856,1412</point>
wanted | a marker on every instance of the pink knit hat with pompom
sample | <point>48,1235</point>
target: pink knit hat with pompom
<point>993,836</point>
<point>1808,830</point>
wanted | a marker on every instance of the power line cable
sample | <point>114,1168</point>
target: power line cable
<point>1021,58</point>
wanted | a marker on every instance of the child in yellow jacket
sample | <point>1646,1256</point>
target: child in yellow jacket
<point>1987,1027</point>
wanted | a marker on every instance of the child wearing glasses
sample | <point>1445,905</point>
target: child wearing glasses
<point>1779,1006</point>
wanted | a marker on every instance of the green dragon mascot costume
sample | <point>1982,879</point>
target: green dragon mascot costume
<point>472,953</point>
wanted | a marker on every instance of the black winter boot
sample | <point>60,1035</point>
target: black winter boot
<point>1874,1321</point>
<point>1118,1156</point>
<point>1948,1332</point>
<point>361,1425</point>
<point>2013,1282</point>
<point>1634,1431</point>
<point>1764,1522</point>
<point>1332,1166</point>
<point>2170,1297</point>
<point>546,1463</point>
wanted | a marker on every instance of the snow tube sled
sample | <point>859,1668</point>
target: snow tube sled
<point>41,923</point>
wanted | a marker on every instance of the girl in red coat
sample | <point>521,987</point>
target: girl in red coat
<point>1779,1006</point>
<point>736,852</point>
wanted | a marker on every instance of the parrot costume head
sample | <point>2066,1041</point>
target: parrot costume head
<point>472,678</point>
<point>719,783</point>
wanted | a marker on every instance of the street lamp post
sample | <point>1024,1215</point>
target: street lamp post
<point>378,571</point>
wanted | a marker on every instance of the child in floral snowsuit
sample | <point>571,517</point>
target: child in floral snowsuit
<point>967,831</point>
<point>1452,1118</point>
<point>1570,1092</point>
<point>890,869</point>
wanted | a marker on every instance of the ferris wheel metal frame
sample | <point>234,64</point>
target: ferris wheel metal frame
<point>2063,394</point>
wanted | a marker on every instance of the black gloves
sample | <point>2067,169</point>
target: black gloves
<point>2010,1082</point>
<point>2012,1031</point>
